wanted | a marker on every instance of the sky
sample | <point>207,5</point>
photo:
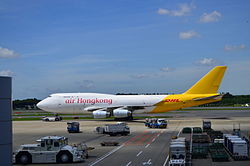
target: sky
<point>122,46</point>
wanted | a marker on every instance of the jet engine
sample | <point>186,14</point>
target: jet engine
<point>121,113</point>
<point>101,114</point>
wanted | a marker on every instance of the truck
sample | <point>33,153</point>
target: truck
<point>73,127</point>
<point>206,125</point>
<point>50,149</point>
<point>156,123</point>
<point>114,129</point>
<point>177,152</point>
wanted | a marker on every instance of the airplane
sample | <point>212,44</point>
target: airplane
<point>123,106</point>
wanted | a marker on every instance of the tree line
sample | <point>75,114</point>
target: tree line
<point>25,104</point>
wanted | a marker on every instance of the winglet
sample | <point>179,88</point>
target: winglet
<point>209,84</point>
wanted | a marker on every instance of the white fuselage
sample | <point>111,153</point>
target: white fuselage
<point>75,103</point>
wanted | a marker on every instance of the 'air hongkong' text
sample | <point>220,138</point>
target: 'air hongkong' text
<point>88,101</point>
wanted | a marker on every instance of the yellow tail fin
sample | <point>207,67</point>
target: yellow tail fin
<point>209,84</point>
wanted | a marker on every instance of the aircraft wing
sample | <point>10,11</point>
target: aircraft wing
<point>95,108</point>
<point>109,109</point>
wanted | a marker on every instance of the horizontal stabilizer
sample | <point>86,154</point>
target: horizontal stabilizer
<point>207,98</point>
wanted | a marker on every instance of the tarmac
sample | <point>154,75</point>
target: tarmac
<point>143,146</point>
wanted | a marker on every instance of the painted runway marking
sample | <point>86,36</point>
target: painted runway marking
<point>179,133</point>
<point>142,139</point>
<point>166,161</point>
<point>147,163</point>
<point>106,155</point>
<point>129,163</point>
<point>139,153</point>
<point>147,145</point>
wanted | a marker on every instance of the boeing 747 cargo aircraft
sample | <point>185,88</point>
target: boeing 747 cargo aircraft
<point>122,106</point>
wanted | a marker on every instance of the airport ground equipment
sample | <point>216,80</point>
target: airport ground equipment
<point>50,149</point>
<point>218,152</point>
<point>214,134</point>
<point>199,151</point>
<point>218,141</point>
<point>201,138</point>
<point>52,118</point>
<point>73,127</point>
<point>197,130</point>
<point>206,125</point>
<point>187,130</point>
<point>177,152</point>
<point>115,129</point>
<point>156,123</point>
<point>236,130</point>
<point>100,130</point>
<point>236,146</point>
<point>200,143</point>
<point>109,143</point>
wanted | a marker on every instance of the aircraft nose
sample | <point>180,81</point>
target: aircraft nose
<point>42,105</point>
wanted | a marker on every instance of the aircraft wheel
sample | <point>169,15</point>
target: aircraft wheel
<point>24,158</point>
<point>64,157</point>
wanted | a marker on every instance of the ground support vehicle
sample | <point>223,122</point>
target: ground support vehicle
<point>52,118</point>
<point>197,130</point>
<point>200,143</point>
<point>187,130</point>
<point>50,149</point>
<point>177,152</point>
<point>109,143</point>
<point>73,127</point>
<point>200,138</point>
<point>206,125</point>
<point>199,151</point>
<point>100,130</point>
<point>115,129</point>
<point>213,134</point>
<point>236,146</point>
<point>156,123</point>
<point>218,152</point>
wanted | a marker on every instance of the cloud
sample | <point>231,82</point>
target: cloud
<point>188,35</point>
<point>206,62</point>
<point>210,17</point>
<point>183,10</point>
<point>6,73</point>
<point>87,84</point>
<point>167,69</point>
<point>234,47</point>
<point>140,76</point>
<point>7,53</point>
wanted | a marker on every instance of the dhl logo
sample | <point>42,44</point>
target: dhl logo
<point>172,100</point>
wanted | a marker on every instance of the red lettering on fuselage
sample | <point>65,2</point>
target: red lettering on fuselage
<point>172,100</point>
<point>70,101</point>
<point>89,101</point>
